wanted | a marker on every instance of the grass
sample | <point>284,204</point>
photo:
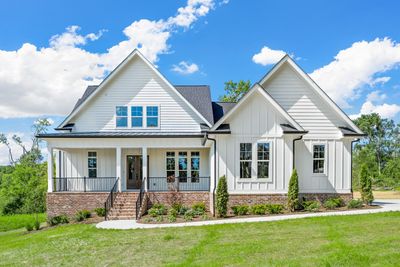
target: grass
<point>11,222</point>
<point>361,240</point>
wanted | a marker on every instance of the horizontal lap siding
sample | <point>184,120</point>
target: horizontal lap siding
<point>137,84</point>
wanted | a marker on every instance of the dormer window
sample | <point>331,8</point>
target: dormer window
<point>137,116</point>
<point>152,116</point>
<point>121,116</point>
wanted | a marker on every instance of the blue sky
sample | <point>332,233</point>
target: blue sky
<point>46,62</point>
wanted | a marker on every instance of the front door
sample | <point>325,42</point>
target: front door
<point>134,172</point>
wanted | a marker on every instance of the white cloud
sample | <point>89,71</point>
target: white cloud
<point>37,81</point>
<point>374,104</point>
<point>268,56</point>
<point>185,68</point>
<point>356,67</point>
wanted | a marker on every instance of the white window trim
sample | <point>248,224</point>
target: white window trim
<point>251,161</point>
<point>97,163</point>
<point>127,117</point>
<point>269,161</point>
<point>131,117</point>
<point>144,117</point>
<point>188,157</point>
<point>158,116</point>
<point>325,173</point>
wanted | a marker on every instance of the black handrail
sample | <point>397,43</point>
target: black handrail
<point>83,184</point>
<point>139,200</point>
<point>110,199</point>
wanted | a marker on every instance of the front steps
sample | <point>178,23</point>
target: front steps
<point>124,207</point>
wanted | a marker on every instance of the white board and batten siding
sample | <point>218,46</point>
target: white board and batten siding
<point>137,84</point>
<point>317,117</point>
<point>255,121</point>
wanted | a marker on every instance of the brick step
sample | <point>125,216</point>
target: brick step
<point>126,206</point>
<point>121,217</point>
<point>123,210</point>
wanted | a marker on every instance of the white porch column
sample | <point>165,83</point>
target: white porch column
<point>118,167</point>
<point>144,167</point>
<point>50,173</point>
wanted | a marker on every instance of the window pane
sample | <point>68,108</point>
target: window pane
<point>183,154</point>
<point>152,122</point>
<point>92,173</point>
<point>262,169</point>
<point>170,164</point>
<point>195,154</point>
<point>318,166</point>
<point>92,154</point>
<point>263,151</point>
<point>170,154</point>
<point>195,164</point>
<point>122,111</point>
<point>182,163</point>
<point>92,162</point>
<point>152,111</point>
<point>137,111</point>
<point>122,122</point>
<point>245,169</point>
<point>170,173</point>
<point>137,122</point>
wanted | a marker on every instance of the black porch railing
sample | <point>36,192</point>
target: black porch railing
<point>83,184</point>
<point>139,200</point>
<point>110,199</point>
<point>160,184</point>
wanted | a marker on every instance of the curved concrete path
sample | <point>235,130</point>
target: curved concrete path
<point>386,204</point>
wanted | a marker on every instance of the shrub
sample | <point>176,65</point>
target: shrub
<point>311,205</point>
<point>293,192</point>
<point>86,213</point>
<point>101,212</point>
<point>29,227</point>
<point>366,185</point>
<point>60,219</point>
<point>258,209</point>
<point>199,208</point>
<point>160,218</point>
<point>171,218</point>
<point>274,208</point>
<point>333,203</point>
<point>172,212</point>
<point>240,210</point>
<point>156,210</point>
<point>36,225</point>
<point>179,208</point>
<point>79,216</point>
<point>189,215</point>
<point>355,204</point>
<point>222,197</point>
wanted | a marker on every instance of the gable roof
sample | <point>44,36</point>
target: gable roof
<point>91,91</point>
<point>258,88</point>
<point>221,108</point>
<point>287,59</point>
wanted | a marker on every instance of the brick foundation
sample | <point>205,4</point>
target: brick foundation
<point>186,198</point>
<point>70,203</point>
<point>321,197</point>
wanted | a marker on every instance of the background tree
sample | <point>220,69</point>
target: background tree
<point>235,90</point>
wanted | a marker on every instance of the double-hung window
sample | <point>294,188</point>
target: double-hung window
<point>263,160</point>
<point>318,159</point>
<point>152,116</point>
<point>182,166</point>
<point>136,116</point>
<point>195,166</point>
<point>121,119</point>
<point>245,160</point>
<point>92,164</point>
<point>170,162</point>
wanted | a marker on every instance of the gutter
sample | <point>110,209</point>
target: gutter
<point>351,165</point>
<point>215,167</point>
<point>294,151</point>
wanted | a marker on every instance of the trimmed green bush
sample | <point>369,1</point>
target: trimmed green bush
<point>293,192</point>
<point>86,213</point>
<point>333,203</point>
<point>189,215</point>
<point>311,205</point>
<point>79,217</point>
<point>29,227</point>
<point>199,208</point>
<point>240,210</point>
<point>366,185</point>
<point>172,212</point>
<point>355,204</point>
<point>157,210</point>
<point>274,208</point>
<point>101,212</point>
<point>171,218</point>
<point>60,219</point>
<point>258,209</point>
<point>222,197</point>
<point>180,208</point>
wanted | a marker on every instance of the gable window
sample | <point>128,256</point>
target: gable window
<point>121,116</point>
<point>92,164</point>
<point>152,116</point>
<point>170,162</point>
<point>245,160</point>
<point>318,158</point>
<point>263,160</point>
<point>182,167</point>
<point>136,116</point>
<point>195,166</point>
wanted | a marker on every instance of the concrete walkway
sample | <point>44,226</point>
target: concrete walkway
<point>387,205</point>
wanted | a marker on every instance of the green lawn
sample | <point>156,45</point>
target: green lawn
<point>362,240</point>
<point>11,222</point>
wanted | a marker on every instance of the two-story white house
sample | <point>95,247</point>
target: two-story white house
<point>136,139</point>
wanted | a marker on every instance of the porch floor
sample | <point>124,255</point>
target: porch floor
<point>386,204</point>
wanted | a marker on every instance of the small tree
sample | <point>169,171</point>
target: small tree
<point>222,197</point>
<point>293,192</point>
<point>366,185</point>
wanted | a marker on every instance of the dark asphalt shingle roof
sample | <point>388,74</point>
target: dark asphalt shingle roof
<point>346,131</point>
<point>220,109</point>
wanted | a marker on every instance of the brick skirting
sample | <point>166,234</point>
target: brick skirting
<point>185,198</point>
<point>70,203</point>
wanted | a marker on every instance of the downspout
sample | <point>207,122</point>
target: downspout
<point>215,169</point>
<point>351,165</point>
<point>294,151</point>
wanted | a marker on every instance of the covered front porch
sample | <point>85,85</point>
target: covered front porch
<point>124,169</point>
